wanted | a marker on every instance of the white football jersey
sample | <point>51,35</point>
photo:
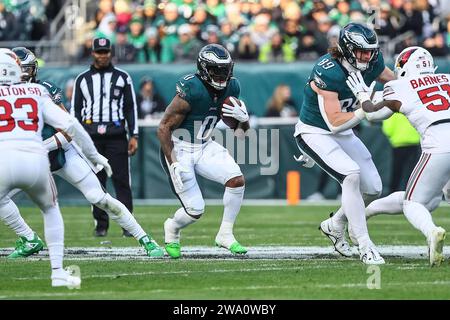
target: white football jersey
<point>425,102</point>
<point>24,108</point>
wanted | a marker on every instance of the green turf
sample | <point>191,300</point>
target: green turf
<point>229,279</point>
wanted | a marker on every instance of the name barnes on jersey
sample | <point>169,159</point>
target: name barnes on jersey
<point>15,91</point>
<point>428,80</point>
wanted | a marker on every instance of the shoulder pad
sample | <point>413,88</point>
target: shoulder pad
<point>54,91</point>
<point>186,87</point>
<point>235,87</point>
<point>328,79</point>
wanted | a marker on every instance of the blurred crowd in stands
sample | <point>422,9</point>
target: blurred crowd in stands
<point>149,31</point>
<point>23,20</point>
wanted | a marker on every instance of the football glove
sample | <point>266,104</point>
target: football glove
<point>235,111</point>
<point>359,88</point>
<point>101,162</point>
<point>175,170</point>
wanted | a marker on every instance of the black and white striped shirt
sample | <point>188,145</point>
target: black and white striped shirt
<point>105,96</point>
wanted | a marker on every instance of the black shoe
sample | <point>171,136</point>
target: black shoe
<point>100,233</point>
<point>126,234</point>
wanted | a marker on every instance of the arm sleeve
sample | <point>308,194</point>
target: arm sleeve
<point>358,116</point>
<point>77,99</point>
<point>383,113</point>
<point>389,92</point>
<point>130,107</point>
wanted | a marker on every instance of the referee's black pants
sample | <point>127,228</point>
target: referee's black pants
<point>115,149</point>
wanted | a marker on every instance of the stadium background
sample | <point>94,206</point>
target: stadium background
<point>272,41</point>
<point>288,257</point>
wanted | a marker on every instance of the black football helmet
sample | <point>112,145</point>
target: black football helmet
<point>215,66</point>
<point>357,36</point>
<point>28,63</point>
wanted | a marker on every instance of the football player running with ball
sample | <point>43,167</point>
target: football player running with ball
<point>187,149</point>
<point>324,133</point>
<point>424,98</point>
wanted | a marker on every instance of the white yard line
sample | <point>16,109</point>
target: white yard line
<point>212,253</point>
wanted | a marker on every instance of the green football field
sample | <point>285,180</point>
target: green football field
<point>288,259</point>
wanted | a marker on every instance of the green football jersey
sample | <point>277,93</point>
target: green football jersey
<point>329,74</point>
<point>56,157</point>
<point>205,105</point>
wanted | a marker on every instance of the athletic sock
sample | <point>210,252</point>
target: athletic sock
<point>120,214</point>
<point>353,206</point>
<point>419,217</point>
<point>392,204</point>
<point>9,214</point>
<point>54,236</point>
<point>232,201</point>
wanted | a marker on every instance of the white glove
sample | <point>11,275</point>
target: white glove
<point>101,162</point>
<point>359,88</point>
<point>175,170</point>
<point>307,161</point>
<point>235,111</point>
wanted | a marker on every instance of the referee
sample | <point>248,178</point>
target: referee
<point>105,103</point>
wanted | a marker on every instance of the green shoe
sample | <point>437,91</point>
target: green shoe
<point>235,248</point>
<point>25,248</point>
<point>174,250</point>
<point>151,247</point>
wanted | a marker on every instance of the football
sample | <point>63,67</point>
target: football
<point>231,122</point>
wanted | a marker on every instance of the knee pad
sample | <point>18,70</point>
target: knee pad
<point>111,206</point>
<point>352,180</point>
<point>95,196</point>
<point>195,208</point>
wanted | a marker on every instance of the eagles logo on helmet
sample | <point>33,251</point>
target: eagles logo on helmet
<point>355,36</point>
<point>215,66</point>
<point>28,63</point>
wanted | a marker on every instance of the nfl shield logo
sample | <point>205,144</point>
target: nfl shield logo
<point>101,129</point>
<point>102,42</point>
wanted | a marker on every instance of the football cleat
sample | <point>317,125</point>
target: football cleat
<point>230,243</point>
<point>63,278</point>
<point>435,245</point>
<point>337,238</point>
<point>173,249</point>
<point>25,248</point>
<point>370,255</point>
<point>151,247</point>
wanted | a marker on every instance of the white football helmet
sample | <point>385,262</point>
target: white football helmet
<point>10,70</point>
<point>414,61</point>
